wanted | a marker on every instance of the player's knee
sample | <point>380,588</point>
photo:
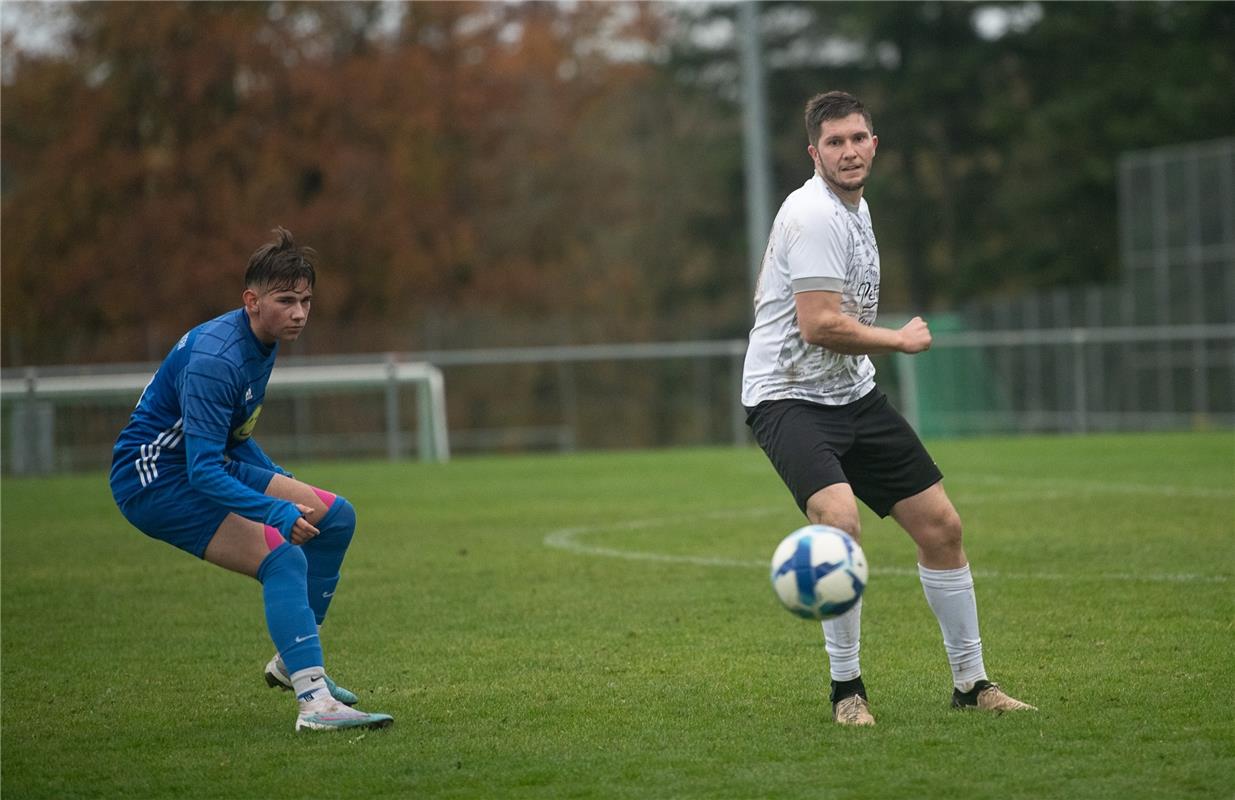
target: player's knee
<point>341,520</point>
<point>944,532</point>
<point>284,560</point>
<point>336,528</point>
<point>845,519</point>
<point>345,513</point>
<point>950,527</point>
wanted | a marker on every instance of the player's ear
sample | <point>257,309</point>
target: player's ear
<point>814,154</point>
<point>250,300</point>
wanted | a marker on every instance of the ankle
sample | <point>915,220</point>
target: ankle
<point>309,684</point>
<point>844,689</point>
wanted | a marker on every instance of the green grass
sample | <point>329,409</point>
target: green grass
<point>602,667</point>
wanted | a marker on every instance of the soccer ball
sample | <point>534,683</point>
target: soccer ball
<point>819,572</point>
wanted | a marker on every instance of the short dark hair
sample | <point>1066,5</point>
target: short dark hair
<point>832,105</point>
<point>280,265</point>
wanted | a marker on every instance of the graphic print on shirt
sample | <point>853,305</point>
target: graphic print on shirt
<point>797,358</point>
<point>826,245</point>
<point>246,430</point>
<point>861,296</point>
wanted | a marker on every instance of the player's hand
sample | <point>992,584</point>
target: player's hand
<point>303,530</point>
<point>915,336</point>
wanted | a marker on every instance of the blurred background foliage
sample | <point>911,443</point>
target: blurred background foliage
<point>493,174</point>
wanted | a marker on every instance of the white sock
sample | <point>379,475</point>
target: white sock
<point>841,637</point>
<point>309,686</point>
<point>949,592</point>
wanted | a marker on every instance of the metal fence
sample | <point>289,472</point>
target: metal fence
<point>1072,380</point>
<point>1069,380</point>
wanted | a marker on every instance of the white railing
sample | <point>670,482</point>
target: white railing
<point>1029,381</point>
<point>1080,373</point>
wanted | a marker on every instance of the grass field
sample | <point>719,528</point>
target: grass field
<point>601,626</point>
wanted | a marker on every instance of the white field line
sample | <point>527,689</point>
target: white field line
<point>568,539</point>
<point>1081,487</point>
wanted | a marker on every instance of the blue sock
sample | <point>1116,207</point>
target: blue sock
<point>325,554</point>
<point>288,616</point>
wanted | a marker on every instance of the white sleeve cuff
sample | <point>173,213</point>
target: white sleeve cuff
<point>817,285</point>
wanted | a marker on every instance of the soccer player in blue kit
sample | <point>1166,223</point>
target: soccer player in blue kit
<point>186,471</point>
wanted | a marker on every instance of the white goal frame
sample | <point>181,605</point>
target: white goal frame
<point>432,434</point>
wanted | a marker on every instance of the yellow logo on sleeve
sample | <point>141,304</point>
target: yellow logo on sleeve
<point>246,430</point>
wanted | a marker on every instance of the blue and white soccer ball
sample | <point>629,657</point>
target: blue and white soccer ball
<point>819,572</point>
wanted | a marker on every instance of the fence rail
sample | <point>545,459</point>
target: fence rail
<point>1072,380</point>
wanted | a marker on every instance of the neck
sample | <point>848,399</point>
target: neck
<point>851,197</point>
<point>259,335</point>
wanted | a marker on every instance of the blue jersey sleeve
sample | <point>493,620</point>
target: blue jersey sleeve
<point>209,390</point>
<point>252,453</point>
<point>206,474</point>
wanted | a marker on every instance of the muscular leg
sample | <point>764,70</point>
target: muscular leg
<point>239,545</point>
<point>932,522</point>
<point>259,551</point>
<point>298,492</point>
<point>836,506</point>
<point>335,519</point>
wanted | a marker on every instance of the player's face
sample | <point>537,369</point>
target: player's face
<point>844,155</point>
<point>278,315</point>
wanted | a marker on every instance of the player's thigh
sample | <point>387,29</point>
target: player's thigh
<point>888,462</point>
<point>172,511</point>
<point>274,484</point>
<point>836,506</point>
<point>929,518</point>
<point>804,442</point>
<point>241,545</point>
<point>287,488</point>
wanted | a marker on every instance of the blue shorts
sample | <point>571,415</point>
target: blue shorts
<point>172,511</point>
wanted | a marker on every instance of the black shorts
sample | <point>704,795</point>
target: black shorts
<point>866,444</point>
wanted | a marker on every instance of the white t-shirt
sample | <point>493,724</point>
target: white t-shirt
<point>818,243</point>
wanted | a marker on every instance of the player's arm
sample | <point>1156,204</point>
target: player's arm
<point>822,322</point>
<point>206,475</point>
<point>252,453</point>
<point>819,248</point>
<point>207,389</point>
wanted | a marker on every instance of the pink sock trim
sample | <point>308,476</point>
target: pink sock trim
<point>273,537</point>
<point>325,496</point>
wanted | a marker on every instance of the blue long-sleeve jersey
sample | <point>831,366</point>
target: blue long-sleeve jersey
<point>197,413</point>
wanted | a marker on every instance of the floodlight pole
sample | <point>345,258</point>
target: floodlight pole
<point>754,138</point>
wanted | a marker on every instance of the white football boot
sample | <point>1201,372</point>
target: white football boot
<point>331,715</point>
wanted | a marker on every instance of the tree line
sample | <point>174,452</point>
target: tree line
<point>486,174</point>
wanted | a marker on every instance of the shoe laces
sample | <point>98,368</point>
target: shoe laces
<point>850,708</point>
<point>326,705</point>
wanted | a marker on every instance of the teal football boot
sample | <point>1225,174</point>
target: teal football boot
<point>277,678</point>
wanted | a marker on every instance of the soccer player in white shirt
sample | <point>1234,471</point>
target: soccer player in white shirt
<point>813,406</point>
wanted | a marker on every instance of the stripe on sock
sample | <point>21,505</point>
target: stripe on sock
<point>273,537</point>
